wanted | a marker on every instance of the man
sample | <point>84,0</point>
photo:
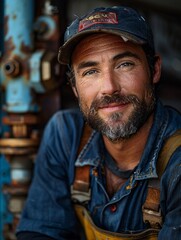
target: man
<point>113,72</point>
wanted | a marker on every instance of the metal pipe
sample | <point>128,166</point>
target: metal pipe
<point>18,45</point>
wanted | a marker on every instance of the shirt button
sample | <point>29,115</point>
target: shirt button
<point>113,208</point>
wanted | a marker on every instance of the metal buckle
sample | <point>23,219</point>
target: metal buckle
<point>154,218</point>
<point>80,196</point>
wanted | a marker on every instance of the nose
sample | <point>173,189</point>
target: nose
<point>109,83</point>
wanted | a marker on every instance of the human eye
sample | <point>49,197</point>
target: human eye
<point>126,65</point>
<point>89,72</point>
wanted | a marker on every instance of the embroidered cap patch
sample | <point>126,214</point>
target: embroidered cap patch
<point>98,18</point>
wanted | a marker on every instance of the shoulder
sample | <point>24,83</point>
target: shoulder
<point>167,118</point>
<point>172,174</point>
<point>174,116</point>
<point>171,123</point>
<point>67,116</point>
<point>65,121</point>
<point>60,140</point>
<point>63,130</point>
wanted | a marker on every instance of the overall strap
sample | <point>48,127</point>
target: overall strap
<point>151,207</point>
<point>171,144</point>
<point>80,190</point>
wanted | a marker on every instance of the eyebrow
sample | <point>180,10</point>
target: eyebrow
<point>126,54</point>
<point>83,65</point>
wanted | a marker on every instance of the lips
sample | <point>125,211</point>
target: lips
<point>113,107</point>
<point>112,103</point>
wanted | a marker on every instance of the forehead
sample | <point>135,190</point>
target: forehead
<point>96,44</point>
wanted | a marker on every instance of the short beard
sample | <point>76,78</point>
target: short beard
<point>119,129</point>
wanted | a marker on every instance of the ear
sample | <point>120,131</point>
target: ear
<point>75,91</point>
<point>157,69</point>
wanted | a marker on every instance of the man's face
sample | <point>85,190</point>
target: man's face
<point>113,85</point>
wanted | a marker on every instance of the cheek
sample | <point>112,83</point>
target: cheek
<point>138,82</point>
<point>130,84</point>
<point>86,92</point>
<point>85,97</point>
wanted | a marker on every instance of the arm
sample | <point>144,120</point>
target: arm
<point>171,199</point>
<point>48,208</point>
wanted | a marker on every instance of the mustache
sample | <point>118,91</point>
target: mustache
<point>114,98</point>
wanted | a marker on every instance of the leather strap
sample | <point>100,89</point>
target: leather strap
<point>171,144</point>
<point>87,130</point>
<point>81,182</point>
<point>82,174</point>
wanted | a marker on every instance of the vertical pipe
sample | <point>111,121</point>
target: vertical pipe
<point>19,25</point>
<point>18,44</point>
<point>5,216</point>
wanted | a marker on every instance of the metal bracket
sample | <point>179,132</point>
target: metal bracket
<point>80,196</point>
<point>154,218</point>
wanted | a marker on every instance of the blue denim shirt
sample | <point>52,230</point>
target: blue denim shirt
<point>49,209</point>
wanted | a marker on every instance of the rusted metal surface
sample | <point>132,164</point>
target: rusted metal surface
<point>21,189</point>
<point>9,47</point>
<point>18,45</point>
<point>16,142</point>
<point>12,68</point>
<point>19,119</point>
<point>24,120</point>
<point>18,150</point>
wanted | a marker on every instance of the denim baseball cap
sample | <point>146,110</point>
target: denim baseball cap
<point>122,21</point>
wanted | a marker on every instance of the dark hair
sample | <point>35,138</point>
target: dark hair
<point>71,76</point>
<point>151,58</point>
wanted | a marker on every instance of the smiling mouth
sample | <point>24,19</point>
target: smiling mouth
<point>114,103</point>
<point>112,107</point>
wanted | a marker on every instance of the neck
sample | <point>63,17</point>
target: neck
<point>127,152</point>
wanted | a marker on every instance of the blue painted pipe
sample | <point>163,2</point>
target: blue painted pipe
<point>18,45</point>
<point>19,24</point>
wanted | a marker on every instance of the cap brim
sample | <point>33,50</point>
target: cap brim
<point>66,50</point>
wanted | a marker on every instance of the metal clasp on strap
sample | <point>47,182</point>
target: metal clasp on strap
<point>80,196</point>
<point>80,190</point>
<point>153,218</point>
<point>151,208</point>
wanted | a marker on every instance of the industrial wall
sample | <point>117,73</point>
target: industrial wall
<point>33,85</point>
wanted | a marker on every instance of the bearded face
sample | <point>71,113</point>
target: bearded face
<point>116,126</point>
<point>114,85</point>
